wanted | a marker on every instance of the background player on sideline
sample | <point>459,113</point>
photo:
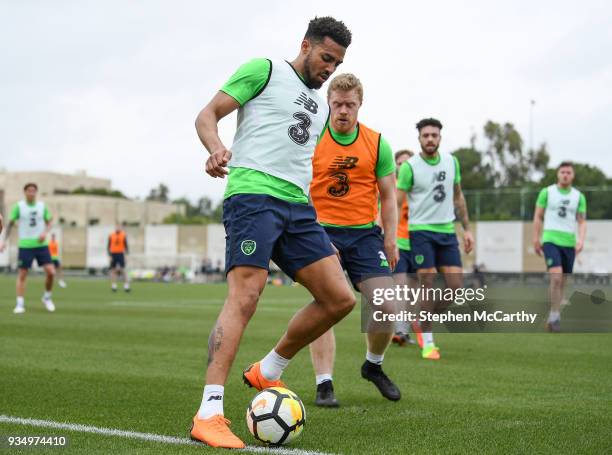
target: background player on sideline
<point>352,165</point>
<point>405,272</point>
<point>34,225</point>
<point>433,183</point>
<point>54,251</point>
<point>559,208</point>
<point>117,249</point>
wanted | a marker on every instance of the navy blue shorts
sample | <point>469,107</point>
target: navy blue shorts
<point>362,252</point>
<point>259,227</point>
<point>559,256</point>
<point>27,255</point>
<point>405,263</point>
<point>56,262</point>
<point>117,260</point>
<point>434,249</point>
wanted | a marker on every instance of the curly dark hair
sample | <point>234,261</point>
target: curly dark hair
<point>30,184</point>
<point>320,27</point>
<point>428,122</point>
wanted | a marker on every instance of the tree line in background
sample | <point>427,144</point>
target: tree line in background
<point>501,181</point>
<point>203,211</point>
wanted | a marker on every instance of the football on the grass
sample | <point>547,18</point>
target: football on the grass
<point>276,416</point>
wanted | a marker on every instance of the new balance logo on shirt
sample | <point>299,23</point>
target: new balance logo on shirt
<point>215,397</point>
<point>344,162</point>
<point>309,104</point>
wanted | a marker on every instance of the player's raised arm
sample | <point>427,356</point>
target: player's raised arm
<point>208,132</point>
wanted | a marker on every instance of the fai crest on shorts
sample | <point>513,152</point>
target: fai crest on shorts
<point>248,247</point>
<point>419,258</point>
<point>383,259</point>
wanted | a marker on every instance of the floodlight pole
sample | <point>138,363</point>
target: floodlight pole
<point>531,104</point>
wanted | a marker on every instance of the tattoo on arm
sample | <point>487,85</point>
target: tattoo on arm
<point>214,342</point>
<point>461,208</point>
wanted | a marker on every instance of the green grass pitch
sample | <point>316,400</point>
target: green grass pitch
<point>136,362</point>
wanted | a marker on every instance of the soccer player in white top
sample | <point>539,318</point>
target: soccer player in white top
<point>560,209</point>
<point>34,225</point>
<point>432,181</point>
<point>266,212</point>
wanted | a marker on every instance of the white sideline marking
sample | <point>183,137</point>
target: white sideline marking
<point>143,436</point>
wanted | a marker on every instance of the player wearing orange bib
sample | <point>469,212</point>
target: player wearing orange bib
<point>351,165</point>
<point>405,272</point>
<point>117,249</point>
<point>54,251</point>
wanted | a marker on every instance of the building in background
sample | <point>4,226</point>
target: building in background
<point>78,210</point>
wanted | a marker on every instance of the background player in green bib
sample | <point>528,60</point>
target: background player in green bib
<point>433,183</point>
<point>266,213</point>
<point>559,209</point>
<point>34,225</point>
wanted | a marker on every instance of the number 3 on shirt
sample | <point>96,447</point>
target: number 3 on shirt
<point>439,193</point>
<point>299,132</point>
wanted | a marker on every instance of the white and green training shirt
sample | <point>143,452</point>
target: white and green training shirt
<point>280,121</point>
<point>32,220</point>
<point>561,207</point>
<point>430,187</point>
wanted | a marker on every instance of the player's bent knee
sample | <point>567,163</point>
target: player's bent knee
<point>556,279</point>
<point>344,305</point>
<point>245,302</point>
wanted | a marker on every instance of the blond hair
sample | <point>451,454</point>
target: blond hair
<point>345,83</point>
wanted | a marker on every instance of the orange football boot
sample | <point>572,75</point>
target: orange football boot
<point>253,378</point>
<point>416,329</point>
<point>215,432</point>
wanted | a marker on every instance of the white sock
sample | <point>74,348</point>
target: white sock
<point>126,285</point>
<point>375,358</point>
<point>212,401</point>
<point>114,285</point>
<point>272,366</point>
<point>401,327</point>
<point>321,378</point>
<point>47,295</point>
<point>20,301</point>
<point>554,316</point>
<point>427,339</point>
